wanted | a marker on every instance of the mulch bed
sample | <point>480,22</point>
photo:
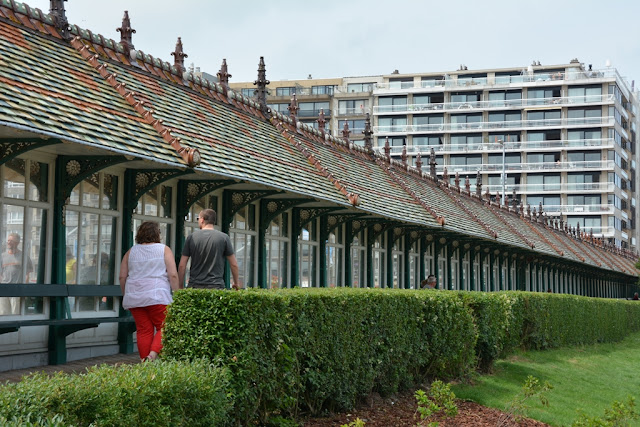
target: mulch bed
<point>400,410</point>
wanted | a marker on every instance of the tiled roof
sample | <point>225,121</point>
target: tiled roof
<point>90,90</point>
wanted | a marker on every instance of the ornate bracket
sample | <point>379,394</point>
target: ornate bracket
<point>309,214</point>
<point>334,221</point>
<point>146,179</point>
<point>74,169</point>
<point>380,226</point>
<point>240,199</point>
<point>10,148</point>
<point>271,208</point>
<point>194,190</point>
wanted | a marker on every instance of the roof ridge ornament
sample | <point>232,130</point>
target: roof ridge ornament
<point>346,132</point>
<point>57,12</point>
<point>432,165</point>
<point>179,56</point>
<point>126,33</point>
<point>321,120</point>
<point>367,132</point>
<point>293,108</point>
<point>261,83</point>
<point>223,75</point>
<point>418,161</point>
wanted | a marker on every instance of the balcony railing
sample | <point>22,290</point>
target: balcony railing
<point>593,187</point>
<point>580,209</point>
<point>528,167</point>
<point>498,104</point>
<point>481,126</point>
<point>509,146</point>
<point>524,77</point>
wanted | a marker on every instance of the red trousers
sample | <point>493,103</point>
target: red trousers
<point>149,322</point>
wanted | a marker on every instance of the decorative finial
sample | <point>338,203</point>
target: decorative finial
<point>178,56</point>
<point>321,120</point>
<point>261,83</point>
<point>223,74</point>
<point>456,180</point>
<point>479,185</point>
<point>432,165</point>
<point>56,10</point>
<point>126,33</point>
<point>367,132</point>
<point>293,108</point>
<point>387,149</point>
<point>404,155</point>
<point>418,161</point>
<point>540,209</point>
<point>514,200</point>
<point>467,184</point>
<point>346,132</point>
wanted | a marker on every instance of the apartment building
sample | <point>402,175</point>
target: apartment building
<point>565,136</point>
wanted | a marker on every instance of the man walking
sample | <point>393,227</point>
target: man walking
<point>208,249</point>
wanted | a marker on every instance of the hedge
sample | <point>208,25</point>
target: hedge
<point>161,393</point>
<point>317,350</point>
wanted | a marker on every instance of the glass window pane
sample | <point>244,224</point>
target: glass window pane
<point>90,188</point>
<point>110,195</point>
<point>14,179</point>
<point>38,181</point>
<point>72,247</point>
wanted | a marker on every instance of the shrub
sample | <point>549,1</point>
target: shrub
<point>151,394</point>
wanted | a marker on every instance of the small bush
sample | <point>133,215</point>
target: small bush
<point>151,394</point>
<point>440,401</point>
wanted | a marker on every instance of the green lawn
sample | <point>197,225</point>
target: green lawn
<point>587,379</point>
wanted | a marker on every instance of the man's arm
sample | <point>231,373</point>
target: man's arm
<point>182,270</point>
<point>235,272</point>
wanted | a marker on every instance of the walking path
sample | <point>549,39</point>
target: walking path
<point>77,366</point>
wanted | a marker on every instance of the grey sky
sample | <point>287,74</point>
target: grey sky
<point>334,38</point>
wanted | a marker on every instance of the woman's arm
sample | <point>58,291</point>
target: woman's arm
<point>172,271</point>
<point>124,271</point>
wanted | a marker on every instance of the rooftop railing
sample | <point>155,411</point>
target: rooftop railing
<point>573,187</point>
<point>524,77</point>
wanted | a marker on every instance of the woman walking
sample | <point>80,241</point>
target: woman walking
<point>148,274</point>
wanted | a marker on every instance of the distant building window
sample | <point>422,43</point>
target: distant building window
<point>322,90</point>
<point>248,92</point>
<point>353,106</point>
<point>359,87</point>
<point>285,91</point>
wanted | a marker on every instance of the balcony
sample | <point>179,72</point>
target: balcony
<point>529,167</point>
<point>352,111</point>
<point>510,146</point>
<point>495,104</point>
<point>491,126</point>
<point>591,187</point>
<point>525,78</point>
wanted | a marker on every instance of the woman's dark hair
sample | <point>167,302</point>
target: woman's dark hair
<point>148,232</point>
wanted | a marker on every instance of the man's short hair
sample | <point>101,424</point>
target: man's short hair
<point>431,278</point>
<point>208,216</point>
<point>15,236</point>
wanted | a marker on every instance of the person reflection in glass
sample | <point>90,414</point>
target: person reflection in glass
<point>11,271</point>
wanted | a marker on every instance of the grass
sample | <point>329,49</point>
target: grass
<point>585,380</point>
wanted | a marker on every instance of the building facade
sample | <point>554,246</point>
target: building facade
<point>567,134</point>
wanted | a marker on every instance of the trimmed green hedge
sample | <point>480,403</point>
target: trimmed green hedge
<point>160,393</point>
<point>318,350</point>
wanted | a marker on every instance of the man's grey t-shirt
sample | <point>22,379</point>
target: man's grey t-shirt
<point>208,250</point>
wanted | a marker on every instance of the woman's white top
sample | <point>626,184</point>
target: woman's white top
<point>148,282</point>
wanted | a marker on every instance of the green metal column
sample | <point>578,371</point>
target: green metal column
<point>182,211</point>
<point>501,273</point>
<point>472,269</point>
<point>492,279</point>
<point>295,254</point>
<point>423,252</point>
<point>449,257</point>
<point>482,287</point>
<point>509,276</point>
<point>370,257</point>
<point>436,254</point>
<point>407,263</point>
<point>461,253</point>
<point>225,225</point>
<point>389,252</point>
<point>348,240</point>
<point>57,344</point>
<point>324,236</point>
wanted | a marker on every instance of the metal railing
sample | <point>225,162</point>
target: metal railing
<point>580,209</point>
<point>510,146</point>
<point>524,77</point>
<point>498,104</point>
<point>597,187</point>
<point>481,126</point>
<point>527,167</point>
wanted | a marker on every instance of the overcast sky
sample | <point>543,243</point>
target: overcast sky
<point>339,38</point>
